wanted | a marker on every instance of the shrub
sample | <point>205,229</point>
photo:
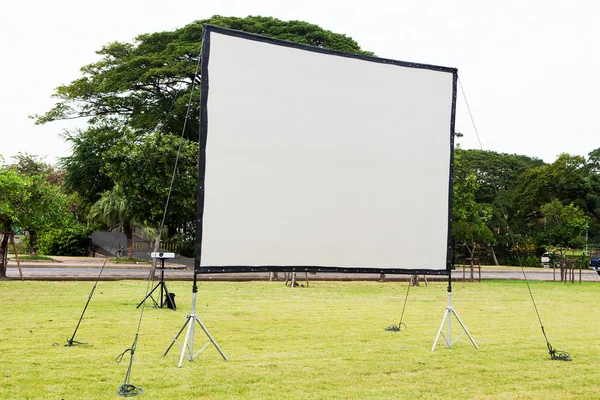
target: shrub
<point>68,241</point>
<point>185,244</point>
<point>524,260</point>
<point>187,250</point>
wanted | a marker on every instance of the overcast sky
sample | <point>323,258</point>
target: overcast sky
<point>530,69</point>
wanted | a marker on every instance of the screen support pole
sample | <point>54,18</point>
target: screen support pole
<point>188,344</point>
<point>447,318</point>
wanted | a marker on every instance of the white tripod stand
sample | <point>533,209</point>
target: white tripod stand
<point>188,344</point>
<point>448,317</point>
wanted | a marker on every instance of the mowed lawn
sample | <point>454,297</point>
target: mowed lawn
<point>327,341</point>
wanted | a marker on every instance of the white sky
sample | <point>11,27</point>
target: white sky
<point>530,69</point>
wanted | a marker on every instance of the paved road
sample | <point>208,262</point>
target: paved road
<point>92,268</point>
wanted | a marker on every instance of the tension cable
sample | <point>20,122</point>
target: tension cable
<point>398,328</point>
<point>72,341</point>
<point>554,354</point>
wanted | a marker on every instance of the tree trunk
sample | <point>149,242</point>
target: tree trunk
<point>32,242</point>
<point>471,251</point>
<point>494,258</point>
<point>493,253</point>
<point>4,250</point>
<point>128,231</point>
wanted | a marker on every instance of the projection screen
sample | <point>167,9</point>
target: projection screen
<point>317,160</point>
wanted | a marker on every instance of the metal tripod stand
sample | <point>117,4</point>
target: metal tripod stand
<point>188,344</point>
<point>165,297</point>
<point>447,318</point>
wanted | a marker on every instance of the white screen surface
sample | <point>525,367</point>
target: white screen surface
<point>316,159</point>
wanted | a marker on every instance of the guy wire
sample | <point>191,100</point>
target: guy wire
<point>554,354</point>
<point>398,328</point>
<point>72,341</point>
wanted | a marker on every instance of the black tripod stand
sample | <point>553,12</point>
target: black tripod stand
<point>166,298</point>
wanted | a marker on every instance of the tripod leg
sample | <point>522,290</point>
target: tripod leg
<point>187,320</point>
<point>211,338</point>
<point>437,338</point>
<point>190,333</point>
<point>149,295</point>
<point>465,329</point>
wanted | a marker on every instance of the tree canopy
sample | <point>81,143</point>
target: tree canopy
<point>563,226</point>
<point>29,201</point>
<point>471,219</point>
<point>570,179</point>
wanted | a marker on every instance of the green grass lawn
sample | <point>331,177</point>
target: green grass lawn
<point>327,341</point>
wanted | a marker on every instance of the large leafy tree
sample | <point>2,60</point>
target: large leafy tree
<point>142,166</point>
<point>497,176</point>
<point>497,173</point>
<point>29,203</point>
<point>470,219</point>
<point>31,165</point>
<point>113,210</point>
<point>47,205</point>
<point>83,168</point>
<point>592,186</point>
<point>563,226</point>
<point>14,187</point>
<point>570,179</point>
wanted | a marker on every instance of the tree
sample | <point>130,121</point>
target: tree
<point>470,219</point>
<point>563,226</point>
<point>31,165</point>
<point>497,175</point>
<point>15,192</point>
<point>47,204</point>
<point>83,168</point>
<point>113,210</point>
<point>570,179</point>
<point>143,166</point>
<point>46,207</point>
<point>592,186</point>
<point>141,170</point>
<point>27,202</point>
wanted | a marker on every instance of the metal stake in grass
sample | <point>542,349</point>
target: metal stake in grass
<point>554,354</point>
<point>127,389</point>
<point>398,328</point>
<point>72,341</point>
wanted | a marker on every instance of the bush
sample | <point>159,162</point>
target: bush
<point>531,261</point>
<point>523,260</point>
<point>68,241</point>
<point>187,250</point>
<point>185,244</point>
